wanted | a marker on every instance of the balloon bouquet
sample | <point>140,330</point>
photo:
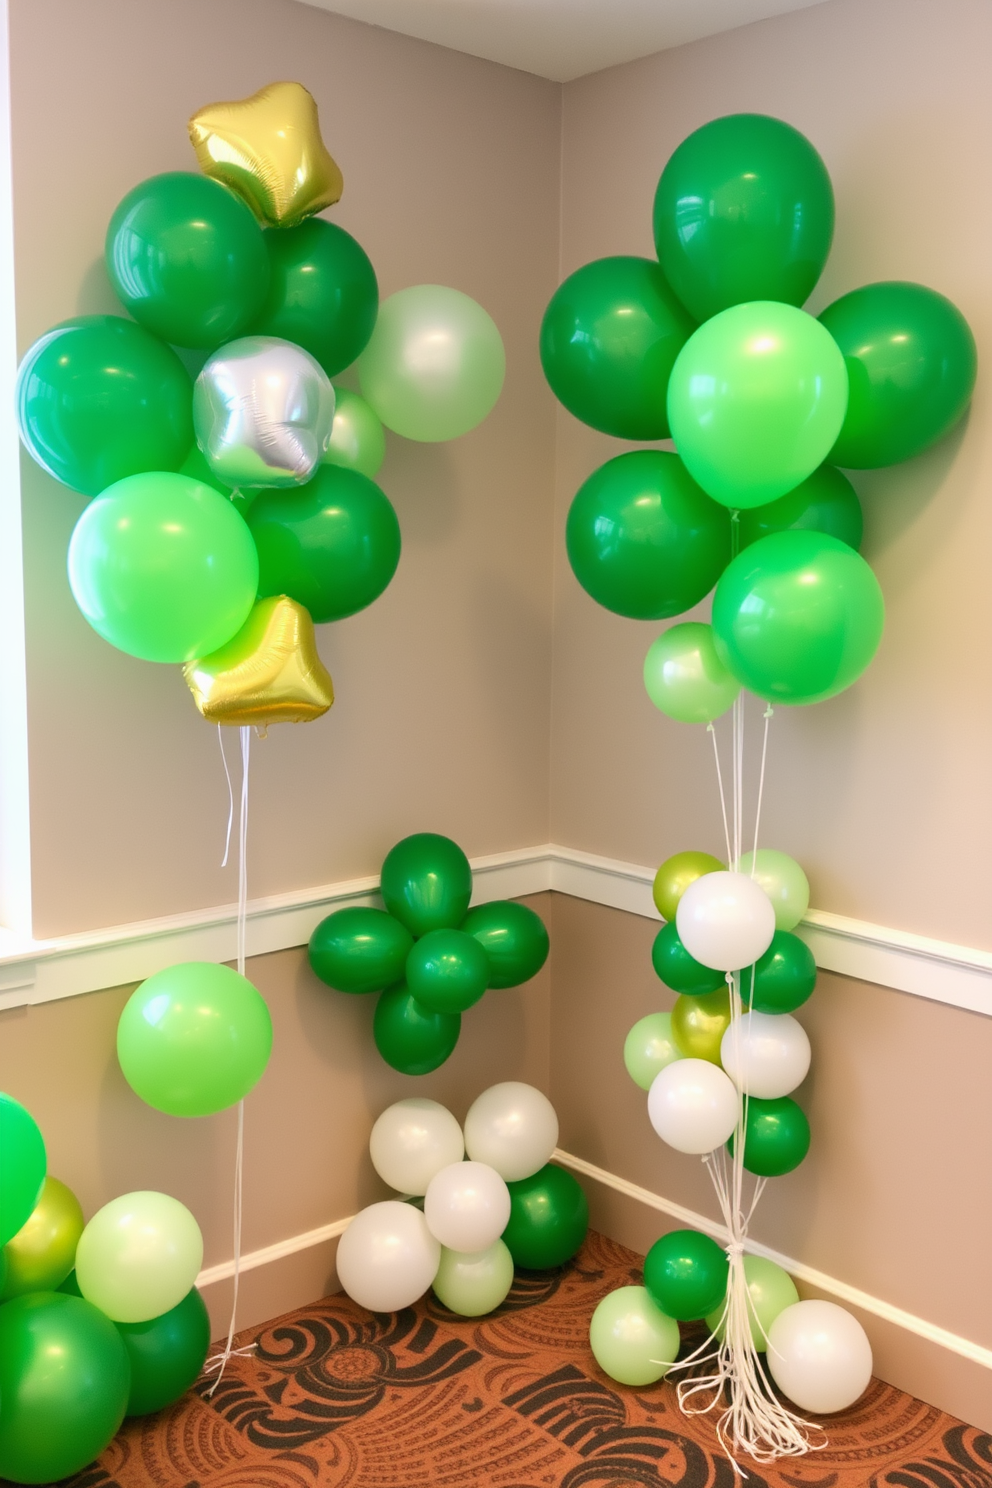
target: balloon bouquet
<point>708,344</point>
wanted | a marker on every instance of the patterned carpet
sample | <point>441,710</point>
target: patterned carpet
<point>338,1398</point>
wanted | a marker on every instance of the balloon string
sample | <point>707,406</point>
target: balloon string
<point>723,795</point>
<point>230,797</point>
<point>769,715</point>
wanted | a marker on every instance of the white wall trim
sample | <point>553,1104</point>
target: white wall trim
<point>278,1252</point>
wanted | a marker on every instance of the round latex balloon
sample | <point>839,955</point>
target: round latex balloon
<point>513,1128</point>
<point>744,211</point>
<point>609,339</point>
<point>513,937</point>
<point>98,399</point>
<point>411,1039</point>
<point>138,1256</point>
<point>22,1171</point>
<point>64,1378</point>
<point>632,1340</point>
<point>333,545</point>
<point>358,440</point>
<point>434,367</point>
<point>725,920</point>
<point>194,1039</point>
<point>686,1273</point>
<point>427,883</point>
<point>649,1048</point>
<point>411,1141</point>
<point>826,502</point>
<point>819,1356</point>
<point>693,1106</point>
<point>699,1024</point>
<point>643,539</point>
<point>684,677</point>
<point>783,881</point>
<point>166,1354</point>
<point>797,617</point>
<point>549,1218</point>
<point>387,1257</point>
<point>474,1284</point>
<point>359,950</point>
<point>323,293</point>
<point>680,971</point>
<point>784,977</point>
<point>776,1136</point>
<point>770,1290</point>
<point>766,1054</point>
<point>467,1206</point>
<point>674,877</point>
<point>447,971</point>
<point>188,259</point>
<point>911,362</point>
<point>163,567</point>
<point>42,1253</point>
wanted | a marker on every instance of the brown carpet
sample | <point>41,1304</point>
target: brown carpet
<point>422,1399</point>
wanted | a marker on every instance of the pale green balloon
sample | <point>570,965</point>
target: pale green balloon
<point>633,1341</point>
<point>684,677</point>
<point>649,1047</point>
<point>472,1284</point>
<point>783,881</point>
<point>358,441</point>
<point>770,1291</point>
<point>139,1256</point>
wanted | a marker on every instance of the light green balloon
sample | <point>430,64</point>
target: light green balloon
<point>474,1284</point>
<point>770,1291</point>
<point>684,677</point>
<point>649,1047</point>
<point>633,1341</point>
<point>138,1256</point>
<point>783,881</point>
<point>358,440</point>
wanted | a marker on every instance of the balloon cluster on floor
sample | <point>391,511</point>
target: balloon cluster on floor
<point>427,954</point>
<point>232,514</point>
<point>466,1221</point>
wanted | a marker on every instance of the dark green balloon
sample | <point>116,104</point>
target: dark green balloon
<point>609,340</point>
<point>447,971</point>
<point>23,1166</point>
<point>784,977</point>
<point>411,1039</point>
<point>359,950</point>
<point>686,1274</point>
<point>911,364</point>
<point>826,502</point>
<point>776,1136</point>
<point>322,292</point>
<point>98,399</point>
<point>680,971</point>
<point>426,883</point>
<point>549,1218</point>
<point>332,545</point>
<point>744,211</point>
<point>187,258</point>
<point>70,1286</point>
<point>64,1383</point>
<point>166,1353</point>
<point>514,940</point>
<point>643,539</point>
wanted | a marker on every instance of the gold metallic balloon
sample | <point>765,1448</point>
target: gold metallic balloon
<point>676,874</point>
<point>43,1252</point>
<point>269,673</point>
<point>699,1023</point>
<point>268,149</point>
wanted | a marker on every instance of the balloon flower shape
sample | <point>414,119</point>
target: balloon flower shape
<point>427,954</point>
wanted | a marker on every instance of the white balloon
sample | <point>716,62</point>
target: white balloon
<point>819,1355</point>
<point>725,920</point>
<point>411,1141</point>
<point>467,1206</point>
<point>693,1106</point>
<point>387,1257</point>
<point>513,1128</point>
<point>766,1054</point>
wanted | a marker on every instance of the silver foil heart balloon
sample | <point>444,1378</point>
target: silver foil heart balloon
<point>262,412</point>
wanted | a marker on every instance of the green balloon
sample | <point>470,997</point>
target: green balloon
<point>194,1039</point>
<point>358,440</point>
<point>797,617</point>
<point>649,1048</point>
<point>680,971</point>
<point>411,1039</point>
<point>784,977</point>
<point>70,1286</point>
<point>685,678</point>
<point>744,211</point>
<point>513,937</point>
<point>99,399</point>
<point>360,950</point>
<point>826,502</point>
<point>472,1285</point>
<point>911,363</point>
<point>447,971</point>
<point>323,293</point>
<point>632,1340</point>
<point>770,1290</point>
<point>22,1169</point>
<point>549,1217</point>
<point>188,259</point>
<point>755,401</point>
<point>166,1354</point>
<point>686,1274</point>
<point>426,883</point>
<point>609,340</point>
<point>163,567</point>
<point>776,1137</point>
<point>332,545</point>
<point>64,1381</point>
<point>643,539</point>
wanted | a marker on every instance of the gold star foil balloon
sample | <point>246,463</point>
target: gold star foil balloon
<point>268,673</point>
<point>268,149</point>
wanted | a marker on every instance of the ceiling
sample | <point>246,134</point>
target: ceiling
<point>560,39</point>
